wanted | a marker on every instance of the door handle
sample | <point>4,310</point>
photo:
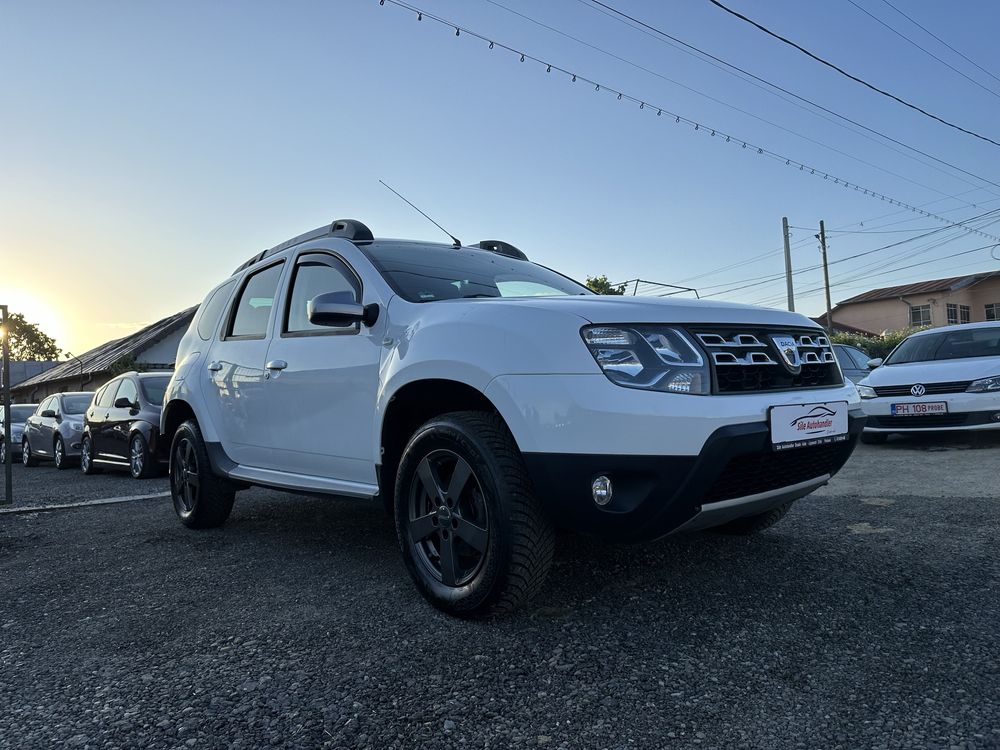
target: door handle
<point>215,367</point>
<point>276,364</point>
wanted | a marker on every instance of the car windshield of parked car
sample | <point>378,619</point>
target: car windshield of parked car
<point>154,388</point>
<point>929,347</point>
<point>20,414</point>
<point>426,274</point>
<point>76,404</point>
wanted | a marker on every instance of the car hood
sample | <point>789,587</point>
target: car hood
<point>616,309</point>
<point>941,371</point>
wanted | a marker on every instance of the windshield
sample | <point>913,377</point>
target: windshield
<point>929,347</point>
<point>154,388</point>
<point>422,273</point>
<point>77,403</point>
<point>21,413</point>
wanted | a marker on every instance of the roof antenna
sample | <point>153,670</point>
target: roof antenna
<point>454,240</point>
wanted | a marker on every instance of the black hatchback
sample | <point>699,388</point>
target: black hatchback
<point>122,426</point>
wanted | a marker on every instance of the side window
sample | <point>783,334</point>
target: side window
<point>127,390</point>
<point>318,273</point>
<point>45,405</point>
<point>107,395</point>
<point>845,359</point>
<point>211,311</point>
<point>860,357</point>
<point>253,308</point>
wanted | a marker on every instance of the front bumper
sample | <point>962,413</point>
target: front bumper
<point>966,411</point>
<point>736,474</point>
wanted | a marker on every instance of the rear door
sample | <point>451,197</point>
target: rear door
<point>323,382</point>
<point>235,368</point>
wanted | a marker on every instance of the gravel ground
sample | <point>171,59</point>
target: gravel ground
<point>866,619</point>
<point>45,485</point>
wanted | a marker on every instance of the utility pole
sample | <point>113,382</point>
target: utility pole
<point>7,466</point>
<point>788,264</point>
<point>826,277</point>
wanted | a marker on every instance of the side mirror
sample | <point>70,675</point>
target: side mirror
<point>873,363</point>
<point>123,403</point>
<point>332,311</point>
<point>47,414</point>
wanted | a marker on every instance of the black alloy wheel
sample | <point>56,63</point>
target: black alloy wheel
<point>184,479</point>
<point>201,499</point>
<point>448,519</point>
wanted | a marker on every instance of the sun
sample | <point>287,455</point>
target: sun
<point>36,310</point>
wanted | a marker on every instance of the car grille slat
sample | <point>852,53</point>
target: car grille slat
<point>753,473</point>
<point>957,386</point>
<point>746,360</point>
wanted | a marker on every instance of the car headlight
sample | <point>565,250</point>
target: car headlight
<point>654,358</point>
<point>985,385</point>
<point>866,391</point>
<point>76,426</point>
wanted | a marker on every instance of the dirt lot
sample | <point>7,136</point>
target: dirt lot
<point>867,619</point>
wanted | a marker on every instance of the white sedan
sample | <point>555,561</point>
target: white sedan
<point>942,379</point>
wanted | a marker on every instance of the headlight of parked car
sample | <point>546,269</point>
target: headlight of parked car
<point>76,426</point>
<point>653,358</point>
<point>866,391</point>
<point>986,385</point>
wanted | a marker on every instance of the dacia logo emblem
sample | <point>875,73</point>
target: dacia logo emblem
<point>788,348</point>
<point>918,390</point>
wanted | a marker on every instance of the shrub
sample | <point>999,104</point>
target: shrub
<point>876,346</point>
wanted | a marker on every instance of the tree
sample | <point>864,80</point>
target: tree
<point>28,342</point>
<point>601,285</point>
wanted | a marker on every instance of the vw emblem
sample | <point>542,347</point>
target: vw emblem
<point>918,390</point>
<point>788,348</point>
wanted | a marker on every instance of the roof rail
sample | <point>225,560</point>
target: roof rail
<point>349,229</point>
<point>502,248</point>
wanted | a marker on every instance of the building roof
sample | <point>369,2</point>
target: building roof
<point>21,371</point>
<point>105,356</point>
<point>839,327</point>
<point>951,284</point>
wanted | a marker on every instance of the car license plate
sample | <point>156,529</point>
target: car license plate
<point>803,425</point>
<point>919,410</point>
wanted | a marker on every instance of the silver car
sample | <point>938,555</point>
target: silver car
<point>55,431</point>
<point>19,414</point>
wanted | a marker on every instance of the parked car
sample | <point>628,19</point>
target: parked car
<point>486,399</point>
<point>53,432</point>
<point>19,414</point>
<point>940,379</point>
<point>853,362</point>
<point>122,426</point>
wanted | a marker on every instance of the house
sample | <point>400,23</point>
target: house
<point>939,302</point>
<point>22,370</point>
<point>152,348</point>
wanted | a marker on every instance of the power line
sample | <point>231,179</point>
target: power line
<point>923,49</point>
<point>931,33</point>
<point>724,103</point>
<point>655,32</point>
<point>854,78</point>
<point>659,111</point>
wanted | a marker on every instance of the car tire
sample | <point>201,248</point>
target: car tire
<point>141,464</point>
<point>201,499</point>
<point>59,454</point>
<point>480,549</point>
<point>874,438</point>
<point>87,457</point>
<point>753,524</point>
<point>27,457</point>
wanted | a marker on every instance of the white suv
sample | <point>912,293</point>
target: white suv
<point>486,400</point>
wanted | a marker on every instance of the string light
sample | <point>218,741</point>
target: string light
<point>678,118</point>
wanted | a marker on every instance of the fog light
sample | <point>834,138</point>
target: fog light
<point>602,491</point>
<point>996,417</point>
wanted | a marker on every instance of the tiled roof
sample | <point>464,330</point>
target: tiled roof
<point>951,284</point>
<point>104,357</point>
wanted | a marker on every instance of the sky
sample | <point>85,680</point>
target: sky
<point>147,149</point>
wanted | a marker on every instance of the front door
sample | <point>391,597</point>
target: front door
<point>235,370</point>
<point>37,426</point>
<point>323,381</point>
<point>114,436</point>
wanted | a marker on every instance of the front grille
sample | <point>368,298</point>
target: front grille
<point>745,360</point>
<point>957,386</point>
<point>928,420</point>
<point>753,473</point>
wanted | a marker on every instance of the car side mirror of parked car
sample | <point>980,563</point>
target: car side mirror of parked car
<point>48,414</point>
<point>124,403</point>
<point>332,311</point>
<point>873,363</point>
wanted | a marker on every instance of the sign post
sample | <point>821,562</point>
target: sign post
<point>7,466</point>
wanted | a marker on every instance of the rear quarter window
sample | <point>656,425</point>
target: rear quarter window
<point>211,310</point>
